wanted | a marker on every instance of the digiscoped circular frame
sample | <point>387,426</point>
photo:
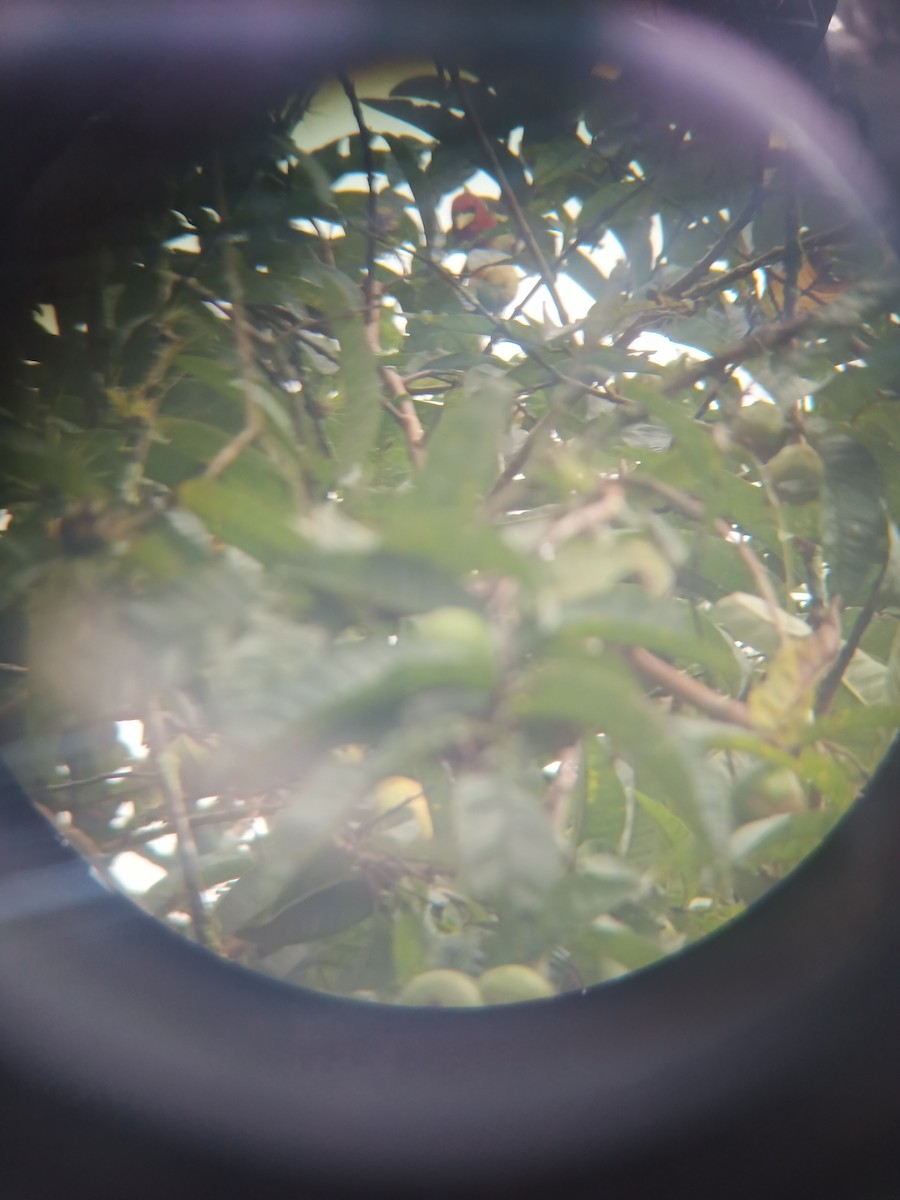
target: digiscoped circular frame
<point>763,1061</point>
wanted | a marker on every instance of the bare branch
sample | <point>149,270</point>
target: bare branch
<point>674,681</point>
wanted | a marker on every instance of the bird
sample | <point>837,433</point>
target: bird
<point>489,271</point>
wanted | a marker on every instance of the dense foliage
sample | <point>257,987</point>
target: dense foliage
<point>460,638</point>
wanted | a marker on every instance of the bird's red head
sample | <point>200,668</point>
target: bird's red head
<point>471,218</point>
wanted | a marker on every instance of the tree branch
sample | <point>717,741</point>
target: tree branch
<point>404,410</point>
<point>684,687</point>
<point>832,680</point>
<point>691,507</point>
<point>582,237</point>
<point>702,266</point>
<point>170,785</point>
<point>765,259</point>
<point>760,341</point>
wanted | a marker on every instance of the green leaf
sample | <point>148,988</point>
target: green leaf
<point>213,868</point>
<point>464,450</point>
<point>360,385</point>
<point>866,679</point>
<point>751,620</point>
<point>217,374</point>
<point>353,693</point>
<point>296,859</point>
<point>384,582</point>
<point>504,840</point>
<point>599,801</point>
<point>320,914</point>
<point>854,518</point>
<point>600,884</point>
<point>622,944</point>
<point>783,839</point>
<point>629,617</point>
<point>677,833</point>
<point>181,445</point>
<point>601,695</point>
<point>407,152</point>
<point>408,945</point>
<point>239,518</point>
<point>76,464</point>
<point>838,725</point>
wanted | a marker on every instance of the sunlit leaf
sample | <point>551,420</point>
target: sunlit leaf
<point>622,944</point>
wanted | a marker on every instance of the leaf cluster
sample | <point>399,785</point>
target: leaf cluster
<point>278,487</point>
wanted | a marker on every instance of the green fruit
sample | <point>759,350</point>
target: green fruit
<point>513,983</point>
<point>464,643</point>
<point>796,473</point>
<point>401,801</point>
<point>762,428</point>
<point>441,989</point>
<point>458,627</point>
<point>776,791</point>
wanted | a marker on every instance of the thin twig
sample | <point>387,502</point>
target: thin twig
<point>694,509</point>
<point>832,680</point>
<point>521,456</point>
<point>218,816</point>
<point>556,798</point>
<point>793,254</point>
<point>179,817</point>
<point>121,773</point>
<point>685,687</point>
<point>761,340</point>
<point>253,422</point>
<point>365,141</point>
<point>404,410</point>
<point>581,238</point>
<point>449,378</point>
<point>86,847</point>
<point>596,510</point>
<point>765,259</point>
<point>702,266</point>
